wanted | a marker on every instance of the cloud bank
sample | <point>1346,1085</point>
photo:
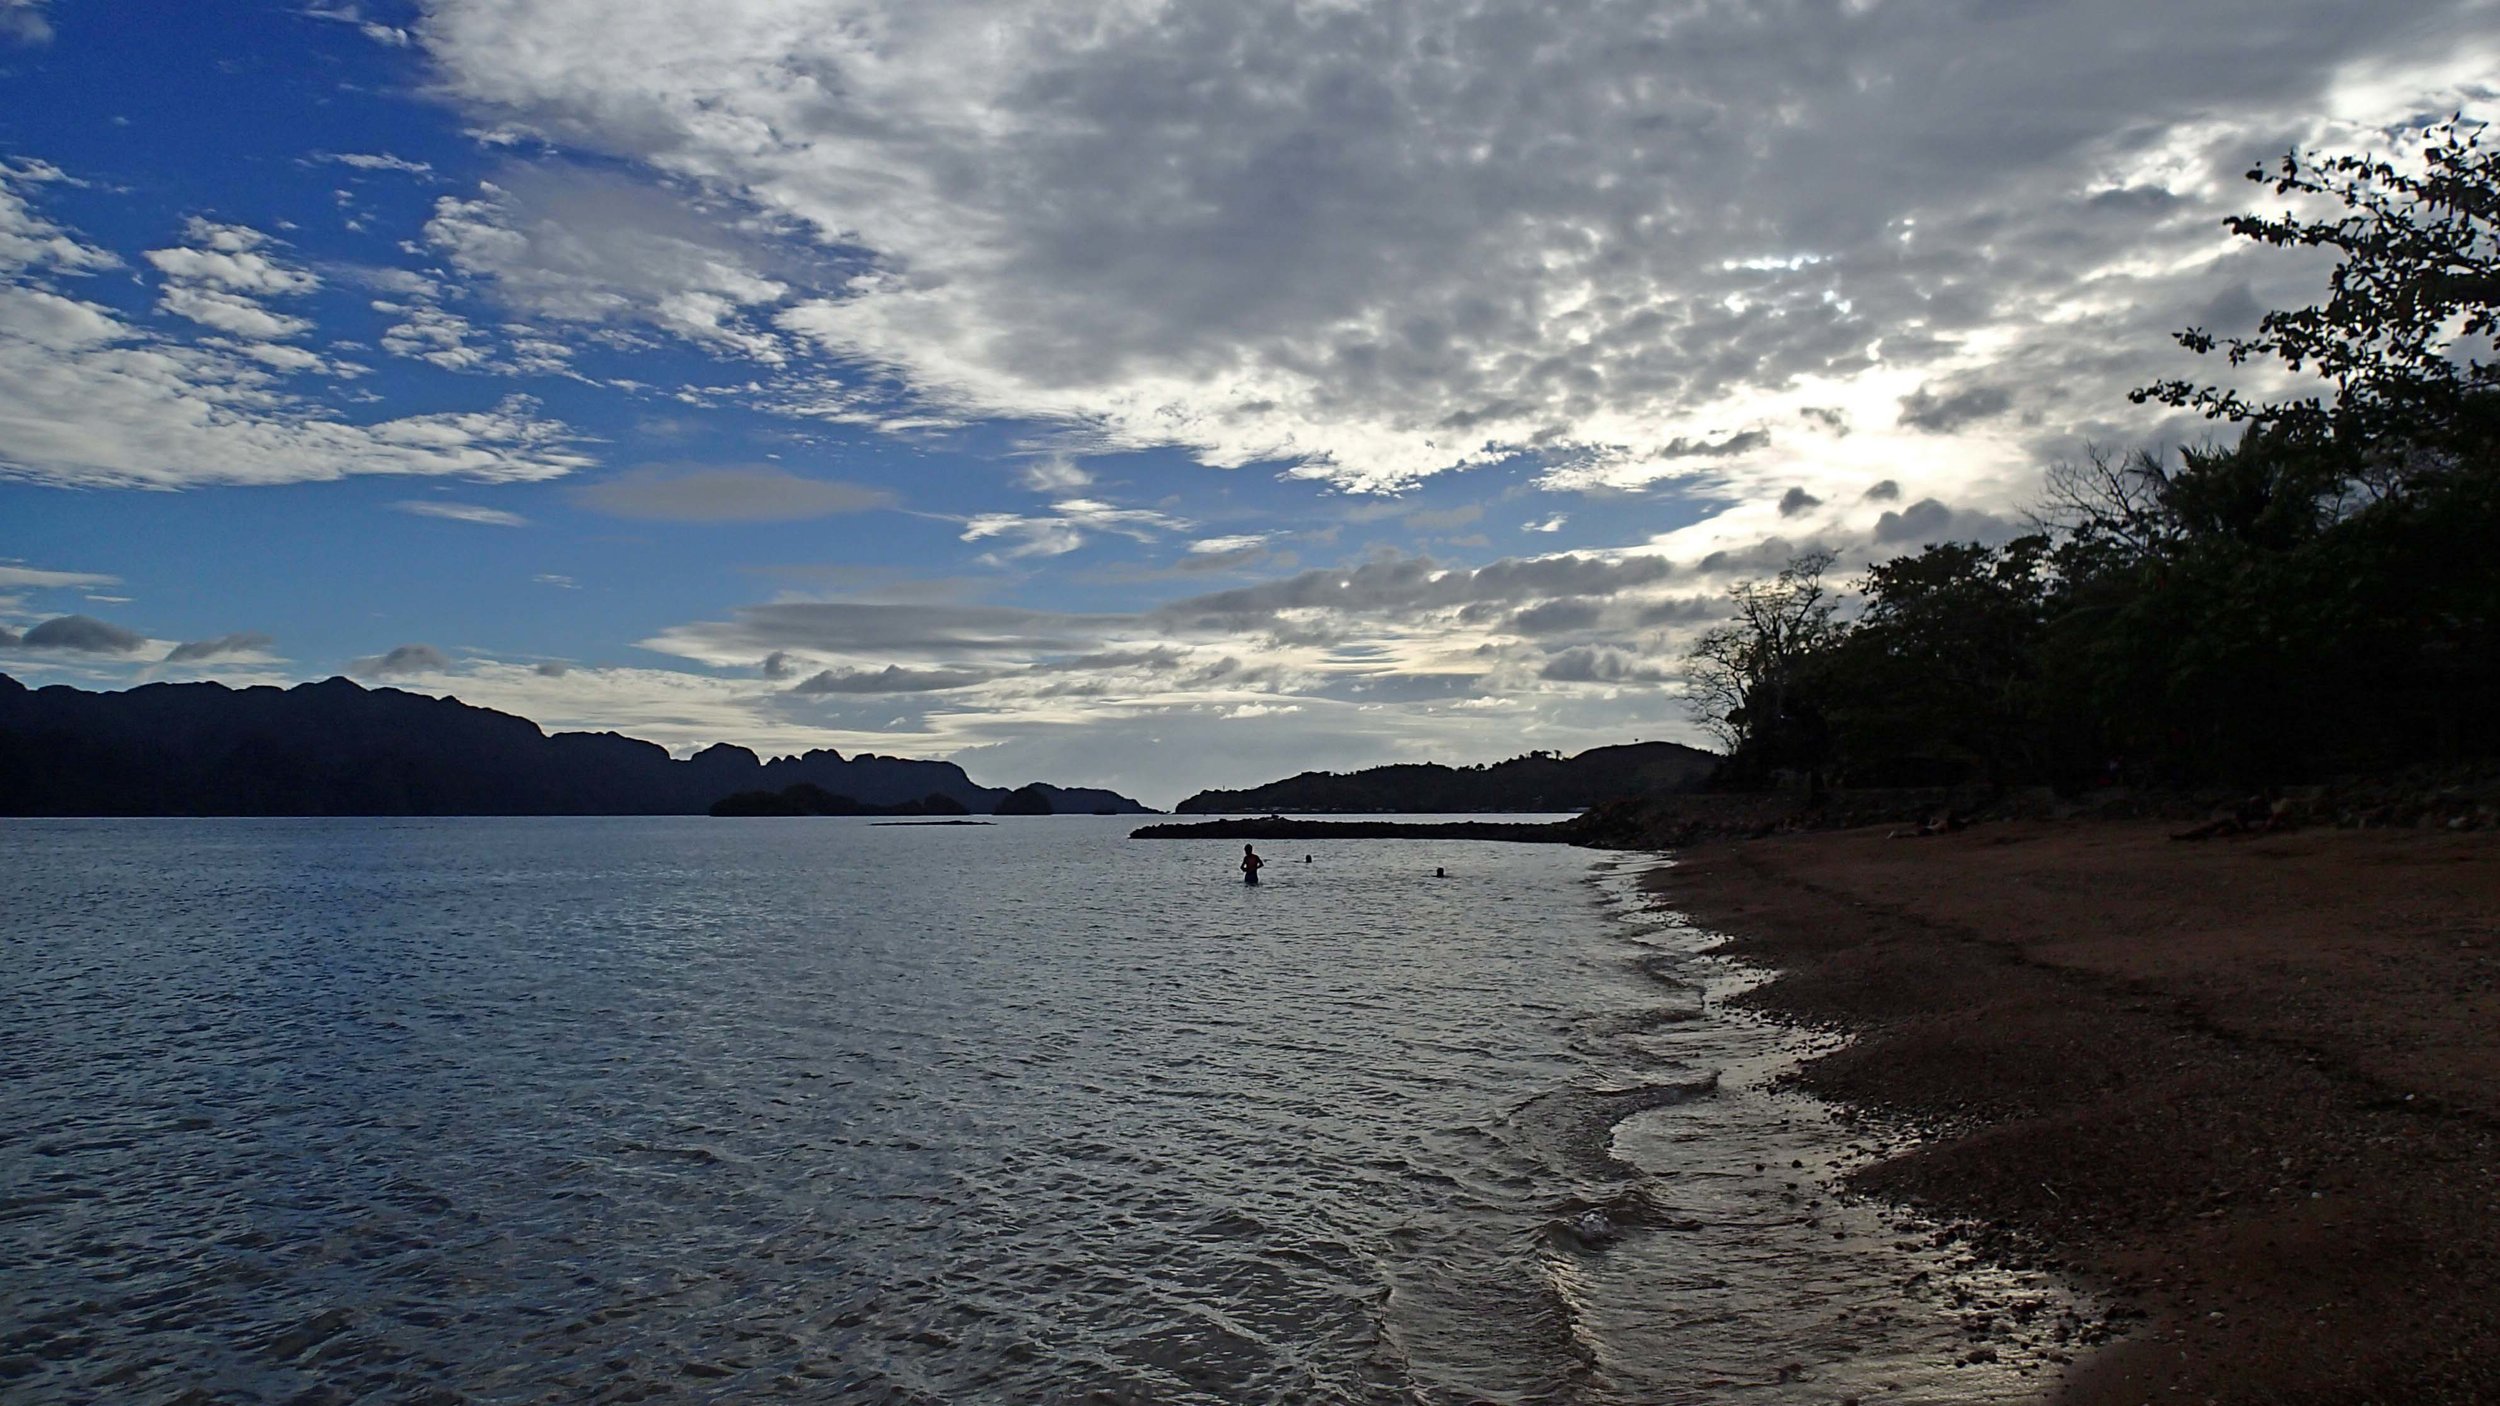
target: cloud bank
<point>1383,241</point>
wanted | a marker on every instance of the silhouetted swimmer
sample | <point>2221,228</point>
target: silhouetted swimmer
<point>1306,859</point>
<point>1440,873</point>
<point>1250,865</point>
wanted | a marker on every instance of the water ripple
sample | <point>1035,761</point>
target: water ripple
<point>686,1110</point>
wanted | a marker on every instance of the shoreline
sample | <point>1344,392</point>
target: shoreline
<point>2244,1089</point>
<point>1861,1299</point>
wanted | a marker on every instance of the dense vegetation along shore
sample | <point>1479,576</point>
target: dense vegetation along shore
<point>1538,781</point>
<point>2250,1085</point>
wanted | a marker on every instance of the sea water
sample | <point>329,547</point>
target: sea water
<point>517,1110</point>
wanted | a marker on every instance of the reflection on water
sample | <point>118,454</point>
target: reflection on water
<point>661,1109</point>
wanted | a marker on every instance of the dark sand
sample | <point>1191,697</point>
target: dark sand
<point>2250,1086</point>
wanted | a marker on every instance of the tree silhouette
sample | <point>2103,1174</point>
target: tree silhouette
<point>1748,677</point>
<point>2414,298</point>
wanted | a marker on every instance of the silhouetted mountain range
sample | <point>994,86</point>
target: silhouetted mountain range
<point>336,748</point>
<point>1539,781</point>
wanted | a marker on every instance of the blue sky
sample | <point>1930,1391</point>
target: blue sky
<point>1152,395</point>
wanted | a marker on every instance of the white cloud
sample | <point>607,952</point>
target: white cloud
<point>376,161</point>
<point>21,577</point>
<point>230,312</point>
<point>428,333</point>
<point>1065,529</point>
<point>1137,701</point>
<point>218,280</point>
<point>295,360</point>
<point>403,283</point>
<point>229,259</point>
<point>675,708</point>
<point>1036,536</point>
<point>22,22</point>
<point>1572,648</point>
<point>91,400</point>
<point>1056,473</point>
<point>29,241</point>
<point>1402,626</point>
<point>460,512</point>
<point>390,36</point>
<point>1386,240</point>
<point>574,246</point>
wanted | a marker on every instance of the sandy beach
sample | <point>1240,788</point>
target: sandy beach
<point>2245,1086</point>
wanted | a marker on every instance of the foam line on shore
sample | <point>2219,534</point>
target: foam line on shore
<point>1869,1298</point>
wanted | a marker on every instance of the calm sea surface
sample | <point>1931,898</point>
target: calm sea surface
<point>820,1110</point>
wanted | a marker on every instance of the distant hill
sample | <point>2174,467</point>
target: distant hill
<point>336,748</point>
<point>1539,781</point>
<point>806,798</point>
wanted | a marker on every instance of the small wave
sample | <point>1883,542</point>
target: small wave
<point>1582,1223</point>
<point>1608,1025</point>
<point>1574,1128</point>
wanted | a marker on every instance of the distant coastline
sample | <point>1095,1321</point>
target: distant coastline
<point>337,748</point>
<point>1525,785</point>
<point>1276,827</point>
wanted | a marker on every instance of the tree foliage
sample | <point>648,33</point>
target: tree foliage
<point>2317,594</point>
<point>2413,299</point>
<point>1939,676</point>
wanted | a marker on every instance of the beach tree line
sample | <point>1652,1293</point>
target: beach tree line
<point>2312,593</point>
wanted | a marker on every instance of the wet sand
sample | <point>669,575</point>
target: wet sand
<point>2249,1087</point>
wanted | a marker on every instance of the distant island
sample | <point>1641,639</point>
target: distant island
<point>1539,781</point>
<point>808,798</point>
<point>337,748</point>
<point>1277,827</point>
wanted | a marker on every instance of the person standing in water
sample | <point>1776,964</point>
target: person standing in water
<point>1250,865</point>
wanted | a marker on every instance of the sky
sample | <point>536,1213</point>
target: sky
<point>1150,395</point>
